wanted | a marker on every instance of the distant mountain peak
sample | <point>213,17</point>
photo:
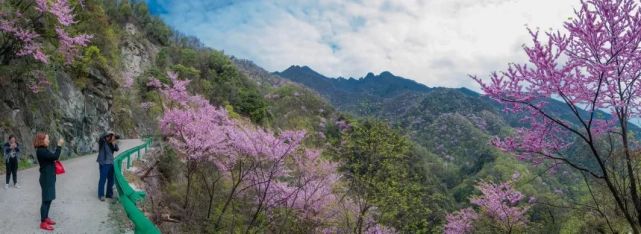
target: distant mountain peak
<point>339,90</point>
<point>297,70</point>
<point>386,73</point>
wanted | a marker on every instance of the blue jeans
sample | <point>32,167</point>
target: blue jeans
<point>106,173</point>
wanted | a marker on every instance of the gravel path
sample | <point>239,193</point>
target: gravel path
<point>76,208</point>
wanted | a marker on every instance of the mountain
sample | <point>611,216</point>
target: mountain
<point>409,104</point>
<point>455,124</point>
<point>401,101</point>
<point>291,105</point>
<point>355,95</point>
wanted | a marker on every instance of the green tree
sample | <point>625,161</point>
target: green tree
<point>386,177</point>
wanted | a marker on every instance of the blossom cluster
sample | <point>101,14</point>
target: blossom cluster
<point>29,42</point>
<point>500,202</point>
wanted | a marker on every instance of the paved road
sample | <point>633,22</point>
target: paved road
<point>76,208</point>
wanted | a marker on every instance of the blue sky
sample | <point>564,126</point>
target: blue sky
<point>435,42</point>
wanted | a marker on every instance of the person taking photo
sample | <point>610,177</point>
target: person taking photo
<point>46,160</point>
<point>107,145</point>
<point>11,159</point>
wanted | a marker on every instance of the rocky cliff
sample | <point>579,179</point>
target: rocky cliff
<point>77,112</point>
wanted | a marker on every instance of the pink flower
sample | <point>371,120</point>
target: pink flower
<point>499,202</point>
<point>69,46</point>
<point>461,222</point>
<point>40,83</point>
<point>154,83</point>
<point>62,11</point>
<point>21,28</point>
<point>42,6</point>
<point>146,105</point>
<point>128,80</point>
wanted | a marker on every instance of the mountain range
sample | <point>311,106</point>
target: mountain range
<point>407,103</point>
<point>454,124</point>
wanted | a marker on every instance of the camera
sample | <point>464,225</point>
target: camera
<point>118,137</point>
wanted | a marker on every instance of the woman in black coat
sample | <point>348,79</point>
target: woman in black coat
<point>47,159</point>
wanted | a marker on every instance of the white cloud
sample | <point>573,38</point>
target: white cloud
<point>435,42</point>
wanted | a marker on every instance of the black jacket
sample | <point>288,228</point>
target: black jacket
<point>46,160</point>
<point>7,151</point>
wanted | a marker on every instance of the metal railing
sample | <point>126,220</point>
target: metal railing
<point>128,196</point>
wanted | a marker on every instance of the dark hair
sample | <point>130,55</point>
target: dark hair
<point>114,135</point>
<point>39,140</point>
<point>12,137</point>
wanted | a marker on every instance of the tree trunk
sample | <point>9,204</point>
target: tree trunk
<point>229,198</point>
<point>190,172</point>
<point>361,220</point>
<point>211,197</point>
<point>633,179</point>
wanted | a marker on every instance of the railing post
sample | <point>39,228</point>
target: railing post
<point>128,161</point>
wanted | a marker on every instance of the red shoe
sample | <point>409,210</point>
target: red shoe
<point>46,226</point>
<point>49,221</point>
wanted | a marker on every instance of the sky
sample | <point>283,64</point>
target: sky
<point>434,42</point>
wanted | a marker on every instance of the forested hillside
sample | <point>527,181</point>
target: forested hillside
<point>451,130</point>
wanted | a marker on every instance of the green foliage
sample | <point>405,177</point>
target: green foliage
<point>214,76</point>
<point>122,110</point>
<point>251,103</point>
<point>168,164</point>
<point>186,72</point>
<point>125,10</point>
<point>382,170</point>
<point>231,112</point>
<point>298,108</point>
<point>94,20</point>
<point>228,85</point>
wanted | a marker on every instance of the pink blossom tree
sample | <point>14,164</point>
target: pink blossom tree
<point>590,66</point>
<point>274,170</point>
<point>461,222</point>
<point>306,190</point>
<point>314,182</point>
<point>69,46</point>
<point>500,203</point>
<point>195,129</point>
<point>20,23</point>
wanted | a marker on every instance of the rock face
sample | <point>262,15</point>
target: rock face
<point>80,114</point>
<point>63,110</point>
<point>137,55</point>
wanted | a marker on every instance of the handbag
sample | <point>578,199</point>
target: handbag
<point>60,169</point>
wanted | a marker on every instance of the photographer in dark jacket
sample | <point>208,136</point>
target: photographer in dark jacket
<point>107,145</point>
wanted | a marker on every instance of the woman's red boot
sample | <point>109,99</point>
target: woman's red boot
<point>46,226</point>
<point>50,222</point>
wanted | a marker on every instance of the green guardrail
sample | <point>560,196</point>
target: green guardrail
<point>128,196</point>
